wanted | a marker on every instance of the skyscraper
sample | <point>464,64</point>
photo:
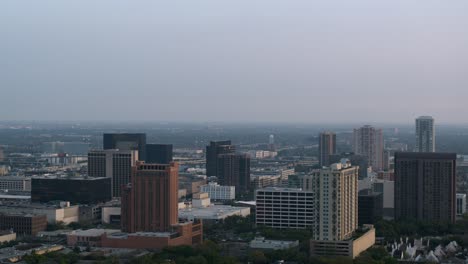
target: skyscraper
<point>327,147</point>
<point>212,151</point>
<point>112,163</point>
<point>159,153</point>
<point>126,141</point>
<point>425,134</point>
<point>234,170</point>
<point>425,186</point>
<point>336,191</point>
<point>368,141</point>
<point>149,203</point>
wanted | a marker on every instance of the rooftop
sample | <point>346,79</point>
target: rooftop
<point>211,212</point>
<point>94,232</point>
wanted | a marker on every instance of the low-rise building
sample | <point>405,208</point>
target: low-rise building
<point>285,208</point>
<point>7,236</point>
<point>15,183</point>
<point>219,192</point>
<point>23,224</point>
<point>90,237</point>
<point>262,243</point>
<point>351,247</point>
<point>111,215</point>
<point>57,212</point>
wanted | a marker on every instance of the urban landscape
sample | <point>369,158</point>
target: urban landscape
<point>233,132</point>
<point>353,195</point>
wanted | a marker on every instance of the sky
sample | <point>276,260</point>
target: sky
<point>241,60</point>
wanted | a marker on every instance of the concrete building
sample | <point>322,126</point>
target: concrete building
<point>15,183</point>
<point>336,191</point>
<point>285,208</point>
<point>159,153</point>
<point>7,236</point>
<point>368,141</point>
<point>212,151</point>
<point>114,164</point>
<point>90,237</point>
<point>111,214</point>
<point>425,186</point>
<point>126,141</point>
<point>77,190</point>
<point>350,247</point>
<point>461,204</point>
<point>266,244</point>
<point>59,212</point>
<point>149,203</point>
<point>327,147</point>
<point>425,134</point>
<point>219,192</point>
<point>23,224</point>
<point>234,170</point>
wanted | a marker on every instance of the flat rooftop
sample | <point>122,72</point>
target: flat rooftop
<point>213,212</point>
<point>94,232</point>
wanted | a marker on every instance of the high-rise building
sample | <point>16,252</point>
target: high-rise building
<point>159,153</point>
<point>425,186</point>
<point>425,134</point>
<point>126,141</point>
<point>336,192</point>
<point>112,163</point>
<point>271,143</point>
<point>219,192</point>
<point>212,151</point>
<point>327,147</point>
<point>2,155</point>
<point>150,202</point>
<point>355,159</point>
<point>370,207</point>
<point>461,204</point>
<point>234,170</point>
<point>285,208</point>
<point>368,141</point>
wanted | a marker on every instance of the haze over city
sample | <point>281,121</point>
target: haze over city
<point>270,61</point>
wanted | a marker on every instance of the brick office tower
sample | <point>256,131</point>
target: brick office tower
<point>150,202</point>
<point>425,186</point>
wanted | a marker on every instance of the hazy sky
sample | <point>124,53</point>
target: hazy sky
<point>298,61</point>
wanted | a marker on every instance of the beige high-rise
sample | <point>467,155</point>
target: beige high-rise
<point>336,192</point>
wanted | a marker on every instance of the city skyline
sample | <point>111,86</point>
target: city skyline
<point>400,59</point>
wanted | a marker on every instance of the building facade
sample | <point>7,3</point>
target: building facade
<point>150,202</point>
<point>159,153</point>
<point>77,190</point>
<point>336,191</point>
<point>126,141</point>
<point>425,134</point>
<point>368,141</point>
<point>425,186</point>
<point>219,192</point>
<point>370,207</point>
<point>285,208</point>
<point>234,170</point>
<point>15,183</point>
<point>327,147</point>
<point>23,224</point>
<point>114,164</point>
<point>461,204</point>
<point>212,151</point>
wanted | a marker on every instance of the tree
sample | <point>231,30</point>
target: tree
<point>257,257</point>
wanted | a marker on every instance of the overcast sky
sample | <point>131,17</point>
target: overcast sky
<point>297,61</point>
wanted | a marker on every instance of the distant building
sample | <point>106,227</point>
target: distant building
<point>77,190</point>
<point>76,148</point>
<point>159,153</point>
<point>15,183</point>
<point>212,151</point>
<point>23,224</point>
<point>425,186</point>
<point>266,244</point>
<point>336,191</point>
<point>219,192</point>
<point>7,236</point>
<point>368,141</point>
<point>234,170</point>
<point>327,147</point>
<point>114,164</point>
<point>126,141</point>
<point>285,208</point>
<point>425,134</point>
<point>88,238</point>
<point>461,204</point>
<point>370,207</point>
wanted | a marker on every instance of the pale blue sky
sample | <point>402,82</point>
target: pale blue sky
<point>241,60</point>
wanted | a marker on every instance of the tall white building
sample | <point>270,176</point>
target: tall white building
<point>285,208</point>
<point>368,141</point>
<point>336,192</point>
<point>219,192</point>
<point>113,163</point>
<point>425,134</point>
